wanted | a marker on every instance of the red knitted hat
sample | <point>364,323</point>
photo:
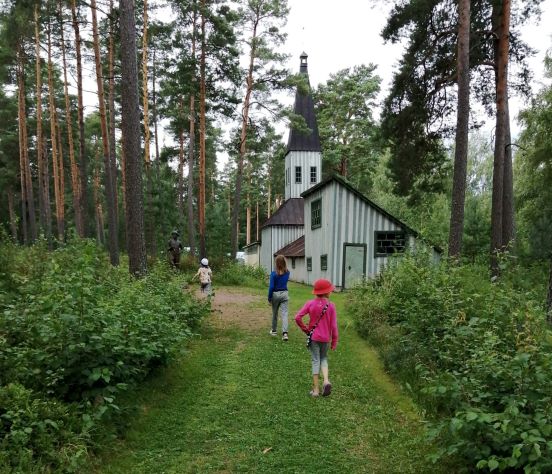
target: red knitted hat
<point>322,287</point>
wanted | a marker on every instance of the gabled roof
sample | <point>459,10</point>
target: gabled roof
<point>341,180</point>
<point>289,213</point>
<point>295,249</point>
<point>304,106</point>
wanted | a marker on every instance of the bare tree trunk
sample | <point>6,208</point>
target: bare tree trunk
<point>150,228</point>
<point>181,171</point>
<point>27,196</point>
<point>130,126</point>
<point>109,179</point>
<point>80,118</point>
<point>97,201</point>
<point>154,111</point>
<point>56,168</point>
<point>269,204</point>
<point>508,227</point>
<point>257,223</point>
<point>462,121</point>
<point>248,224</point>
<point>497,244</point>
<point>43,188</point>
<point>11,211</point>
<point>191,148</point>
<point>111,107</point>
<point>202,127</point>
<point>243,139</point>
<point>75,174</point>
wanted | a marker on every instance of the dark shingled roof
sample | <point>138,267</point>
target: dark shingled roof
<point>289,213</point>
<point>295,249</point>
<point>304,106</point>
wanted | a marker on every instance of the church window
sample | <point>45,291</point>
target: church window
<point>313,174</point>
<point>389,242</point>
<point>309,264</point>
<point>323,262</point>
<point>316,214</point>
<point>298,177</point>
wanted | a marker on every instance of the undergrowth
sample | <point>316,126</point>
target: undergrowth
<point>475,354</point>
<point>74,333</point>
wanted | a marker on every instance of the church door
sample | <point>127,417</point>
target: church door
<point>354,264</point>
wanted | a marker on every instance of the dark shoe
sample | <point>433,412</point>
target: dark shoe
<point>285,336</point>
<point>327,389</point>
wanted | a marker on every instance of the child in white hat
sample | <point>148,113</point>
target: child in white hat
<point>204,274</point>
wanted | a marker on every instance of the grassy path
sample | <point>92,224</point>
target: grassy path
<point>238,401</point>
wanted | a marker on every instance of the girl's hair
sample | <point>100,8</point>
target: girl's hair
<point>281,265</point>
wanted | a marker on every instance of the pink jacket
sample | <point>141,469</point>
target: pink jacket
<point>326,330</point>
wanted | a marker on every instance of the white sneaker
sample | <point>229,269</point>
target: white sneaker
<point>285,336</point>
<point>273,333</point>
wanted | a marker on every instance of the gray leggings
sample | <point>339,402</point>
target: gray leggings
<point>280,300</point>
<point>319,354</point>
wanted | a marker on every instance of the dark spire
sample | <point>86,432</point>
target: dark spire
<point>304,106</point>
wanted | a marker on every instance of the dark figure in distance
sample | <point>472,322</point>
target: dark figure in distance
<point>175,248</point>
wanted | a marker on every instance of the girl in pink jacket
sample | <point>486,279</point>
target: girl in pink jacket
<point>323,329</point>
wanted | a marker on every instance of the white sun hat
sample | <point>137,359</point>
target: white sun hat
<point>204,261</point>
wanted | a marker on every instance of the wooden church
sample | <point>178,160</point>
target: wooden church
<point>325,228</point>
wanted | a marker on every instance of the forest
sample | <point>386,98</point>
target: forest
<point>123,121</point>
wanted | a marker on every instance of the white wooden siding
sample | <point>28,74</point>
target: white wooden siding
<point>304,159</point>
<point>274,238</point>
<point>345,219</point>
<point>299,273</point>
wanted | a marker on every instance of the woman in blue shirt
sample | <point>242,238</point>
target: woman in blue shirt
<point>278,295</point>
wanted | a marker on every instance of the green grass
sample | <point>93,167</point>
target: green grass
<point>238,402</point>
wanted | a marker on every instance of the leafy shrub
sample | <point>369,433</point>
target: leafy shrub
<point>235,274</point>
<point>77,331</point>
<point>38,432</point>
<point>475,354</point>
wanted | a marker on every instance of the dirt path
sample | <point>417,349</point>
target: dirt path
<point>233,307</point>
<point>237,401</point>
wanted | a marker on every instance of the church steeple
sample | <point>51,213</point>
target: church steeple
<point>303,156</point>
<point>304,106</point>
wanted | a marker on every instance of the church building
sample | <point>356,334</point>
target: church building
<point>325,228</point>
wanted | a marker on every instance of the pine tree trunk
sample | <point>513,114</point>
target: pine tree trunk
<point>98,212</point>
<point>191,146</point>
<point>181,171</point>
<point>248,224</point>
<point>48,205</point>
<point>130,126</point>
<point>202,127</point>
<point>462,122</point>
<point>111,107</point>
<point>61,168</point>
<point>150,227</point>
<point>109,179</point>
<point>257,223</point>
<point>11,212</point>
<point>154,104</point>
<point>57,170</point>
<point>234,240</point>
<point>80,119</point>
<point>27,195</point>
<point>75,174</point>
<point>502,49</point>
<point>508,226</point>
<point>43,188</point>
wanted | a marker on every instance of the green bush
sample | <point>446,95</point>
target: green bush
<point>77,331</point>
<point>235,274</point>
<point>475,354</point>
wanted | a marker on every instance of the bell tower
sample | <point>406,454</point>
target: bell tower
<point>303,166</point>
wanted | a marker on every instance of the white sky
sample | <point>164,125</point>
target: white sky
<point>338,35</point>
